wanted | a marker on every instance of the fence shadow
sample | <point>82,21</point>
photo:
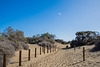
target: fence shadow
<point>13,62</point>
<point>76,63</point>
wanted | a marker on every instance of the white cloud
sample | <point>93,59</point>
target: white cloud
<point>59,13</point>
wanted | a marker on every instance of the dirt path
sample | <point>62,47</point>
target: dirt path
<point>61,58</point>
<point>69,58</point>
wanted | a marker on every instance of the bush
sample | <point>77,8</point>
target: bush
<point>85,38</point>
<point>46,43</point>
<point>91,43</point>
<point>61,41</point>
<point>25,47</point>
<point>13,35</point>
<point>8,49</point>
<point>51,41</point>
<point>40,37</point>
<point>33,40</point>
<point>76,43</point>
<point>10,42</point>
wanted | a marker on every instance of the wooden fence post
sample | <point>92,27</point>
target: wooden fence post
<point>55,48</point>
<point>50,49</point>
<point>74,48</point>
<point>40,50</point>
<point>20,57</point>
<point>44,49</point>
<point>35,52</point>
<point>29,55</point>
<point>47,50</point>
<point>83,53</point>
<point>4,60</point>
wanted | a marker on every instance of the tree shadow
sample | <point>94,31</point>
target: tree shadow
<point>66,48</point>
<point>94,50</point>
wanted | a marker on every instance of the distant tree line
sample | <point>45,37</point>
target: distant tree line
<point>41,37</point>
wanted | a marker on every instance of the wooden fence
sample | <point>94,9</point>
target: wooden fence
<point>43,49</point>
<point>29,54</point>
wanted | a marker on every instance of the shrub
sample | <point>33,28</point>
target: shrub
<point>85,37</point>
<point>39,38</point>
<point>8,49</point>
<point>25,47</point>
<point>13,35</point>
<point>33,40</point>
<point>10,42</point>
<point>45,43</point>
<point>74,42</point>
<point>61,41</point>
<point>51,41</point>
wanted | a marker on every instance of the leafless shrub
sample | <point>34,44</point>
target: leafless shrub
<point>1,59</point>
<point>10,42</point>
<point>25,47</point>
<point>8,49</point>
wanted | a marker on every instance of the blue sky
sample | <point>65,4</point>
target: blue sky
<point>60,17</point>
